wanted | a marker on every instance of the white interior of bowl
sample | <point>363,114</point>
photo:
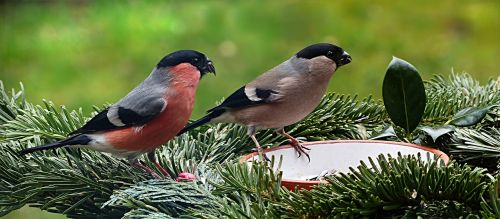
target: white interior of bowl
<point>336,156</point>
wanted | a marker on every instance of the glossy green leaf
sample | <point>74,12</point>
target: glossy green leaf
<point>436,132</point>
<point>404,94</point>
<point>470,116</point>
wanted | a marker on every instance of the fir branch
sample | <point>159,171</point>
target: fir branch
<point>479,148</point>
<point>78,182</point>
<point>161,198</point>
<point>447,97</point>
<point>401,186</point>
<point>217,145</point>
<point>244,191</point>
<point>144,213</point>
<point>23,121</point>
<point>256,179</point>
<point>242,206</point>
<point>11,104</point>
<point>75,183</point>
<point>47,123</point>
<point>491,207</point>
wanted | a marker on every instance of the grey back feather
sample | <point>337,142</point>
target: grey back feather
<point>292,67</point>
<point>150,91</point>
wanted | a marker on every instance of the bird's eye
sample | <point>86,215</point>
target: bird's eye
<point>195,60</point>
<point>329,53</point>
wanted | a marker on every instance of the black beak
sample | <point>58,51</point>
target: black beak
<point>344,59</point>
<point>209,68</point>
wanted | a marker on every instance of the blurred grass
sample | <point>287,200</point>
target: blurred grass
<point>84,53</point>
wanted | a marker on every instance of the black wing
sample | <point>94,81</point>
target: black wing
<point>99,121</point>
<point>241,99</point>
<point>120,117</point>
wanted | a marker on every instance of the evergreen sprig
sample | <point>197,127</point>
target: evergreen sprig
<point>480,148</point>
<point>72,183</point>
<point>161,197</point>
<point>446,97</point>
<point>244,190</point>
<point>78,182</point>
<point>491,205</point>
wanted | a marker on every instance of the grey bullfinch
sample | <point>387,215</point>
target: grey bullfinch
<point>147,117</point>
<point>281,96</point>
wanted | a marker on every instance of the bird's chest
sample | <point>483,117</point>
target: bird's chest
<point>296,106</point>
<point>301,98</point>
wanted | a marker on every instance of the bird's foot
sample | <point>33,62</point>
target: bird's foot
<point>162,170</point>
<point>299,148</point>
<point>146,169</point>
<point>302,140</point>
<point>262,154</point>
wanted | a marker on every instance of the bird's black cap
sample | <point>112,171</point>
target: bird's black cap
<point>331,51</point>
<point>195,58</point>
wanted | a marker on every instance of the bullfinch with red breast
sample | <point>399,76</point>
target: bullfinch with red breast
<point>281,96</point>
<point>150,115</point>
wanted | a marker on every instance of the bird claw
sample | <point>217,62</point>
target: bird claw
<point>266,157</point>
<point>162,170</point>
<point>301,139</point>
<point>300,149</point>
<point>146,169</point>
<point>308,157</point>
<point>260,152</point>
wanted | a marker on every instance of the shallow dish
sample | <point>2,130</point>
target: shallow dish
<point>335,156</point>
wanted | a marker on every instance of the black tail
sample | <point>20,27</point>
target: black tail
<point>73,140</point>
<point>202,121</point>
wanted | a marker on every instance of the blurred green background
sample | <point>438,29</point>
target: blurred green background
<point>84,53</point>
